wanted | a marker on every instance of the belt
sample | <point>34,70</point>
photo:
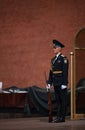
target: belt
<point>57,72</point>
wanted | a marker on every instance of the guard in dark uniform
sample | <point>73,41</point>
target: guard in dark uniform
<point>58,77</point>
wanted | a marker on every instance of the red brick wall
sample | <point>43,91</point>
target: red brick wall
<point>27,28</point>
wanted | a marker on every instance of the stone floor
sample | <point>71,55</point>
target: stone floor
<point>40,123</point>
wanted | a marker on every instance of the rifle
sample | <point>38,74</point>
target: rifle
<point>49,101</point>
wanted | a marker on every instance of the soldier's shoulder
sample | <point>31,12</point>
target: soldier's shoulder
<point>64,58</point>
<point>63,55</point>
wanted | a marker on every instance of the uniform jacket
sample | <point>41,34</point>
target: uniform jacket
<point>58,74</point>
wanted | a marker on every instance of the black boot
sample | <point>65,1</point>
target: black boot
<point>56,119</point>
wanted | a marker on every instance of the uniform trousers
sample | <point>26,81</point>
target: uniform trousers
<point>61,98</point>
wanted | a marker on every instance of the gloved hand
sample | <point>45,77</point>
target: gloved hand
<point>48,87</point>
<point>63,86</point>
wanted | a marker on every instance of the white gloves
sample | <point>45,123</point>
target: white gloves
<point>63,86</point>
<point>48,87</point>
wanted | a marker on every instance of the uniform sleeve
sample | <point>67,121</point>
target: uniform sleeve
<point>65,71</point>
<point>50,78</point>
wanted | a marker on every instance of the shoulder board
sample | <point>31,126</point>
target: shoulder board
<point>62,55</point>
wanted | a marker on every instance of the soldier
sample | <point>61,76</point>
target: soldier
<point>58,77</point>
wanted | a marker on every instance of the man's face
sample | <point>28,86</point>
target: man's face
<point>56,50</point>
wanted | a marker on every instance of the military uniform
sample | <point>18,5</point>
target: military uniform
<point>58,77</point>
<point>59,71</point>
